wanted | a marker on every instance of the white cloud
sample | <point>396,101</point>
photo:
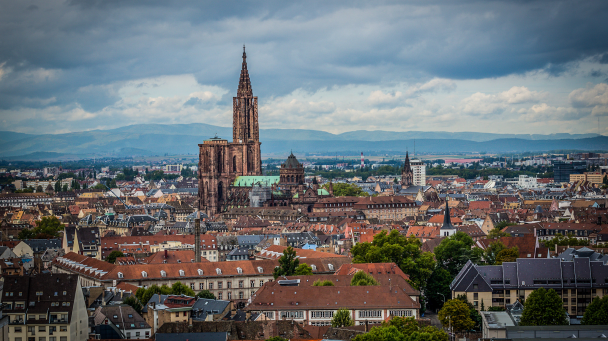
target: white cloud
<point>487,104</point>
<point>592,96</point>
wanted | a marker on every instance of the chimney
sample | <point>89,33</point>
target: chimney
<point>166,255</point>
<point>197,237</point>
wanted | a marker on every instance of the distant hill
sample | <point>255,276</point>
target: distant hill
<point>158,139</point>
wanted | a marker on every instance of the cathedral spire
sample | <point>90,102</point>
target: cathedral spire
<point>244,82</point>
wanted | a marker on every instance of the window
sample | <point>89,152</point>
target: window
<point>220,284</point>
<point>41,328</point>
<point>475,287</point>
<point>239,270</point>
<point>314,267</point>
<point>192,286</point>
<point>182,273</point>
<point>269,314</point>
<point>241,284</point>
<point>260,270</point>
<point>65,293</point>
<point>163,273</point>
<point>144,274</point>
<point>210,285</point>
<point>241,295</point>
<point>200,272</point>
<point>261,283</point>
<point>298,314</point>
<point>218,271</point>
<point>370,313</point>
<point>63,329</point>
<point>401,313</point>
<point>177,314</point>
<point>52,338</point>
<point>229,295</point>
<point>185,313</point>
<point>219,296</point>
<point>229,284</point>
<point>18,330</point>
<point>201,286</point>
<point>252,283</point>
<point>120,275</point>
<point>319,314</point>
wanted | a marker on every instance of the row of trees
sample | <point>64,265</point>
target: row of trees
<point>144,295</point>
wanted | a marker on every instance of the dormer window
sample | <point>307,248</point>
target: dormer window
<point>163,273</point>
<point>144,274</point>
<point>239,270</point>
<point>182,273</point>
<point>260,270</point>
<point>331,267</point>
<point>200,272</point>
<point>314,267</point>
<point>120,275</point>
<point>218,271</point>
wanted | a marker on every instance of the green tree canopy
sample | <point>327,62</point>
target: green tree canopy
<point>543,308</point>
<point>133,302</point>
<point>181,289</point>
<point>454,251</point>
<point>303,270</point>
<point>404,329</point>
<point>346,190</point>
<point>489,255</point>
<point>206,294</point>
<point>395,248</point>
<point>342,318</point>
<point>496,233</point>
<point>597,312</point>
<point>276,338</point>
<point>113,255</point>
<point>501,225</point>
<point>288,263</point>
<point>321,283</point>
<point>473,313</point>
<point>562,240</point>
<point>438,288</point>
<point>46,228</point>
<point>362,278</point>
<point>456,313</point>
<point>507,255</point>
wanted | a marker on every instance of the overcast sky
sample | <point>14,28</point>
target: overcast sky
<point>484,66</point>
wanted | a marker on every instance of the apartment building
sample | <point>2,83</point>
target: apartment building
<point>298,300</point>
<point>578,282</point>
<point>418,172</point>
<point>45,307</point>
<point>387,208</point>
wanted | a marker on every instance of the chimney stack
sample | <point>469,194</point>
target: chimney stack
<point>197,237</point>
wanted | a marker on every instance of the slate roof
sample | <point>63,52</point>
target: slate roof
<point>204,307</point>
<point>41,245</point>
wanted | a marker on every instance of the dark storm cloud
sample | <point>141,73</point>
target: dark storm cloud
<point>307,45</point>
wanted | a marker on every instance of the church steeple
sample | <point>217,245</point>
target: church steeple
<point>407,175</point>
<point>244,81</point>
<point>245,109</point>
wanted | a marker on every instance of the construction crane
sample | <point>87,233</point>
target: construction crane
<point>117,197</point>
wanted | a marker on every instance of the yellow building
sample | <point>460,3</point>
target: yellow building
<point>595,178</point>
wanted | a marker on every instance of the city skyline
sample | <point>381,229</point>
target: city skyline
<point>502,67</point>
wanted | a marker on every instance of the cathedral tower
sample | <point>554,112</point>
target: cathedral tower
<point>407,175</point>
<point>220,161</point>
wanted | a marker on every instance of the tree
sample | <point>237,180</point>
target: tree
<point>346,190</point>
<point>562,240</point>
<point>288,263</point>
<point>455,251</point>
<point>543,308</point>
<point>342,318</point>
<point>39,189</point>
<point>205,294</point>
<point>276,338</point>
<point>133,302</point>
<point>403,329</point>
<point>507,255</point>
<point>438,288</point>
<point>58,186</point>
<point>65,188</point>
<point>361,278</point>
<point>181,289</point>
<point>113,255</point>
<point>455,313</point>
<point>597,312</point>
<point>473,313</point>
<point>492,251</point>
<point>303,270</point>
<point>395,248</point>
<point>46,228</point>
<point>501,225</point>
<point>496,233</point>
<point>320,283</point>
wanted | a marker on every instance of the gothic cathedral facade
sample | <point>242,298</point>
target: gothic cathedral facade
<point>220,161</point>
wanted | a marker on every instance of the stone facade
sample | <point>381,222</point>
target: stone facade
<point>220,161</point>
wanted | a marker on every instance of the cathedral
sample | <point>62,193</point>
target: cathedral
<point>220,161</point>
<point>230,173</point>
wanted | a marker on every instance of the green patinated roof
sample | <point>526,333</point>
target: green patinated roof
<point>250,180</point>
<point>322,191</point>
<point>296,196</point>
